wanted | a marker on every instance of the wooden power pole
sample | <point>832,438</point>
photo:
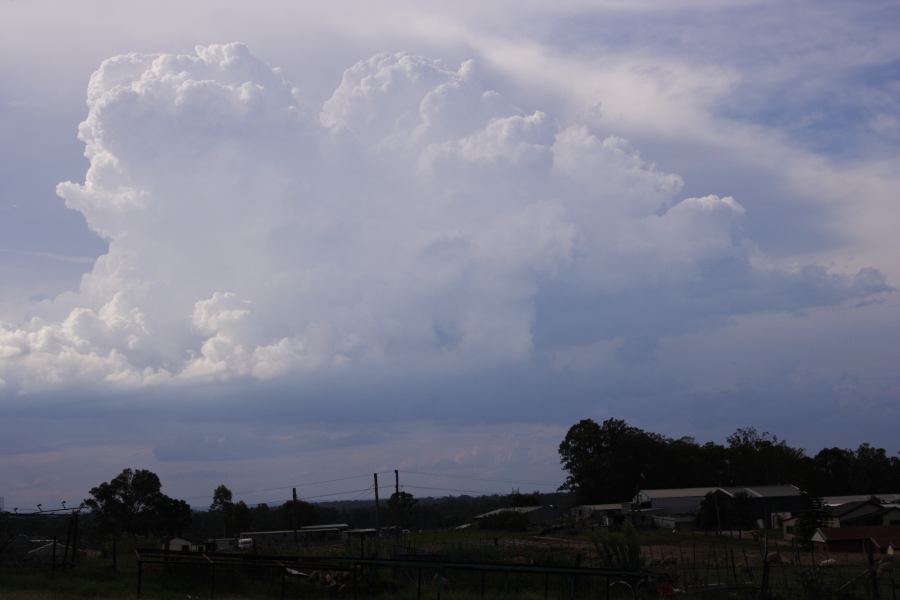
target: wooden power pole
<point>294,511</point>
<point>399,505</point>
<point>377,520</point>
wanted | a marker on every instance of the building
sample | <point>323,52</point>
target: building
<point>766,500</point>
<point>880,498</point>
<point>597,513</point>
<point>883,540</point>
<point>178,544</point>
<point>673,501</point>
<point>534,514</point>
<point>865,512</point>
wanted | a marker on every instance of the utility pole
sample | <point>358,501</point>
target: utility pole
<point>377,521</point>
<point>294,510</point>
<point>399,507</point>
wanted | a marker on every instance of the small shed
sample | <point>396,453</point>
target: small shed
<point>177,544</point>
<point>884,539</point>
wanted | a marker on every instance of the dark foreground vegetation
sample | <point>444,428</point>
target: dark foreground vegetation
<point>564,563</point>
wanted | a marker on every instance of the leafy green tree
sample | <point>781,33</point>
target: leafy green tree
<point>610,462</point>
<point>238,517</point>
<point>300,513</point>
<point>234,516</point>
<point>403,505</point>
<point>132,502</point>
<point>222,498</point>
<point>175,516</point>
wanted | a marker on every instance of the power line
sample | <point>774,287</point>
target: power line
<point>286,487</point>
<point>441,489</point>
<point>513,481</point>
<point>304,498</point>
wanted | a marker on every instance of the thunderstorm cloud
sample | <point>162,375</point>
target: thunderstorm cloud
<point>417,220</point>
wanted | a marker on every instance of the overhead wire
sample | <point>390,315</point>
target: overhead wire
<point>486,479</point>
<point>287,487</point>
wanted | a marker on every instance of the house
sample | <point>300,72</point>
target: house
<point>883,539</point>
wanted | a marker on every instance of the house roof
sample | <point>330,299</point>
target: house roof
<point>693,492</point>
<point>517,509</point>
<point>882,535</point>
<point>770,491</point>
<point>600,507</point>
<point>876,514</point>
<point>755,491</point>
<point>848,507</point>
<point>838,500</point>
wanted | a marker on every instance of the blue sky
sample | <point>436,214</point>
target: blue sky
<point>270,244</point>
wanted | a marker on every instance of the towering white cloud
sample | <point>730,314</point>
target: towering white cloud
<point>419,220</point>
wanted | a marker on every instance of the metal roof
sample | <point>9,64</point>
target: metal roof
<point>882,535</point>
<point>838,500</point>
<point>612,506</point>
<point>755,491</point>
<point>517,509</point>
<point>677,492</point>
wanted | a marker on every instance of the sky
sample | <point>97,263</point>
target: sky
<point>274,243</point>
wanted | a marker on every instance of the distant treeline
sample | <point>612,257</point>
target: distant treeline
<point>133,504</point>
<point>609,462</point>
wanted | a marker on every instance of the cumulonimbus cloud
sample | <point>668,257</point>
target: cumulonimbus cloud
<point>418,220</point>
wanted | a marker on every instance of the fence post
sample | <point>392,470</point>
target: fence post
<point>764,586</point>
<point>873,572</point>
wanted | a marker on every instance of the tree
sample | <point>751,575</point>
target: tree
<point>221,498</point>
<point>610,462</point>
<point>403,504</point>
<point>132,503</point>
<point>813,516</point>
<point>235,516</point>
<point>174,516</point>
<point>238,517</point>
<point>519,499</point>
<point>299,514</point>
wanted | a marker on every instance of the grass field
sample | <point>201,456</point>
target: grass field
<point>700,567</point>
